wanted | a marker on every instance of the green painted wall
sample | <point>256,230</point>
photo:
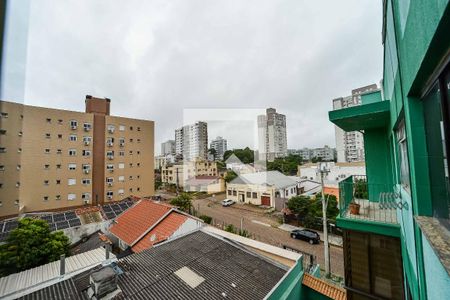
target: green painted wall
<point>310,294</point>
<point>371,97</point>
<point>438,281</point>
<point>378,162</point>
<point>291,286</point>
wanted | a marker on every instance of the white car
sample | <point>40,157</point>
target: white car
<point>227,202</point>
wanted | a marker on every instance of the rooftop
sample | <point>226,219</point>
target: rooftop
<point>198,265</point>
<point>271,178</point>
<point>134,222</point>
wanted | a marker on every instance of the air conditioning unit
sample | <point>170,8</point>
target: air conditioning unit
<point>86,171</point>
<point>121,144</point>
<point>87,128</point>
<point>111,130</point>
<point>111,170</point>
<point>73,127</point>
<point>110,197</point>
<point>110,184</point>
<point>110,144</point>
<point>86,143</point>
<point>110,157</point>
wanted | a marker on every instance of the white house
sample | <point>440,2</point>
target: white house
<point>261,188</point>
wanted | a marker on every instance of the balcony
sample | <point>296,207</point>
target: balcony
<point>362,201</point>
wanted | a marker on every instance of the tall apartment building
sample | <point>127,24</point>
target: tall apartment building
<point>350,145</point>
<point>272,138</point>
<point>53,158</point>
<point>168,148</point>
<point>191,141</point>
<point>325,153</point>
<point>220,145</point>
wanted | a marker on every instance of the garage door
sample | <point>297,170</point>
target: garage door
<point>265,200</point>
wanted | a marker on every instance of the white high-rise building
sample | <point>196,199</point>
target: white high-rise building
<point>220,145</point>
<point>191,141</point>
<point>168,148</point>
<point>350,145</point>
<point>272,137</point>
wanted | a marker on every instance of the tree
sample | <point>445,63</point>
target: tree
<point>30,245</point>
<point>287,165</point>
<point>230,176</point>
<point>183,202</point>
<point>245,155</point>
<point>300,205</point>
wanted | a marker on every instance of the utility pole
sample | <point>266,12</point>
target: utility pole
<point>323,168</point>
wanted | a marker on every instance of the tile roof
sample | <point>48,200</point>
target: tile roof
<point>135,221</point>
<point>32,277</point>
<point>161,232</point>
<point>324,288</point>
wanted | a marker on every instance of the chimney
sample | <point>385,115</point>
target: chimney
<point>62,265</point>
<point>102,283</point>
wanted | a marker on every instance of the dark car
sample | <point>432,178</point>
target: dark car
<point>306,235</point>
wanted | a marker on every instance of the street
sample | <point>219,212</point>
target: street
<point>263,227</point>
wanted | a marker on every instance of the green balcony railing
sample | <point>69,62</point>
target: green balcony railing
<point>360,199</point>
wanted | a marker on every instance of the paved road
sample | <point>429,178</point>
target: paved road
<point>263,227</point>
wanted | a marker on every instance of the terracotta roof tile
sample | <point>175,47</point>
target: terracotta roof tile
<point>325,288</point>
<point>162,231</point>
<point>135,221</point>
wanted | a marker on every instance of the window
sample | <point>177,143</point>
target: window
<point>121,153</point>
<point>122,142</point>
<point>71,181</point>
<point>72,152</point>
<point>138,189</point>
<point>121,178</point>
<point>16,202</point>
<point>58,181</point>
<point>87,126</point>
<point>87,140</point>
<point>86,169</point>
<point>110,167</point>
<point>131,127</point>
<point>111,128</point>
<point>130,177</point>
<point>46,151</point>
<point>121,166</point>
<point>131,140</point>
<point>45,198</point>
<point>249,194</point>
<point>59,136</point>
<point>131,190</point>
<point>109,194</point>
<point>58,166</point>
<point>121,127</point>
<point>46,167</point>
<point>4,115</point>
<point>230,192</point>
<point>131,152</point>
<point>139,176</point>
<point>109,179</point>
<point>139,129</point>
<point>18,167</point>
<point>2,168</point>
<point>110,154</point>
<point>138,164</point>
<point>71,197</point>
<point>20,133</point>
<point>110,142</point>
<point>86,152</point>
<point>403,156</point>
<point>73,137</point>
<point>255,195</point>
<point>47,135</point>
<point>58,151</point>
<point>121,192</point>
<point>60,122</point>
<point>139,152</point>
<point>234,193</point>
<point>86,181</point>
<point>86,196</point>
<point>49,120</point>
<point>131,165</point>
<point>436,108</point>
<point>72,167</point>
<point>45,182</point>
<point>73,124</point>
<point>58,197</point>
<point>138,140</point>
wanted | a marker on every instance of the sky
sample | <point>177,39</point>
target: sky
<point>158,59</point>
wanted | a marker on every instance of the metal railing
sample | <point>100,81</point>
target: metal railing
<point>361,199</point>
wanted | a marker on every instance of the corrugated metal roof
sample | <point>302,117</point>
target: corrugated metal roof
<point>36,276</point>
<point>273,178</point>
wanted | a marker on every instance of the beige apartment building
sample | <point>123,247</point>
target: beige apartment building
<point>52,159</point>
<point>179,173</point>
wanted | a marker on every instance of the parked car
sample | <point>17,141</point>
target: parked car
<point>227,202</point>
<point>306,235</point>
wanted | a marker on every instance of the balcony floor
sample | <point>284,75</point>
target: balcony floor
<point>371,211</point>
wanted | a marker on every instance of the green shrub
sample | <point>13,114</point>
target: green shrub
<point>206,219</point>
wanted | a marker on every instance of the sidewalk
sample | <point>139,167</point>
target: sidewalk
<point>333,239</point>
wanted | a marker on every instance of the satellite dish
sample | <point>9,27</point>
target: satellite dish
<point>153,238</point>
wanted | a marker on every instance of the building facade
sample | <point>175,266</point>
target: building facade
<point>81,157</point>
<point>191,141</point>
<point>168,148</point>
<point>272,137</point>
<point>219,144</point>
<point>395,220</point>
<point>350,145</point>
<point>325,153</point>
<point>178,174</point>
